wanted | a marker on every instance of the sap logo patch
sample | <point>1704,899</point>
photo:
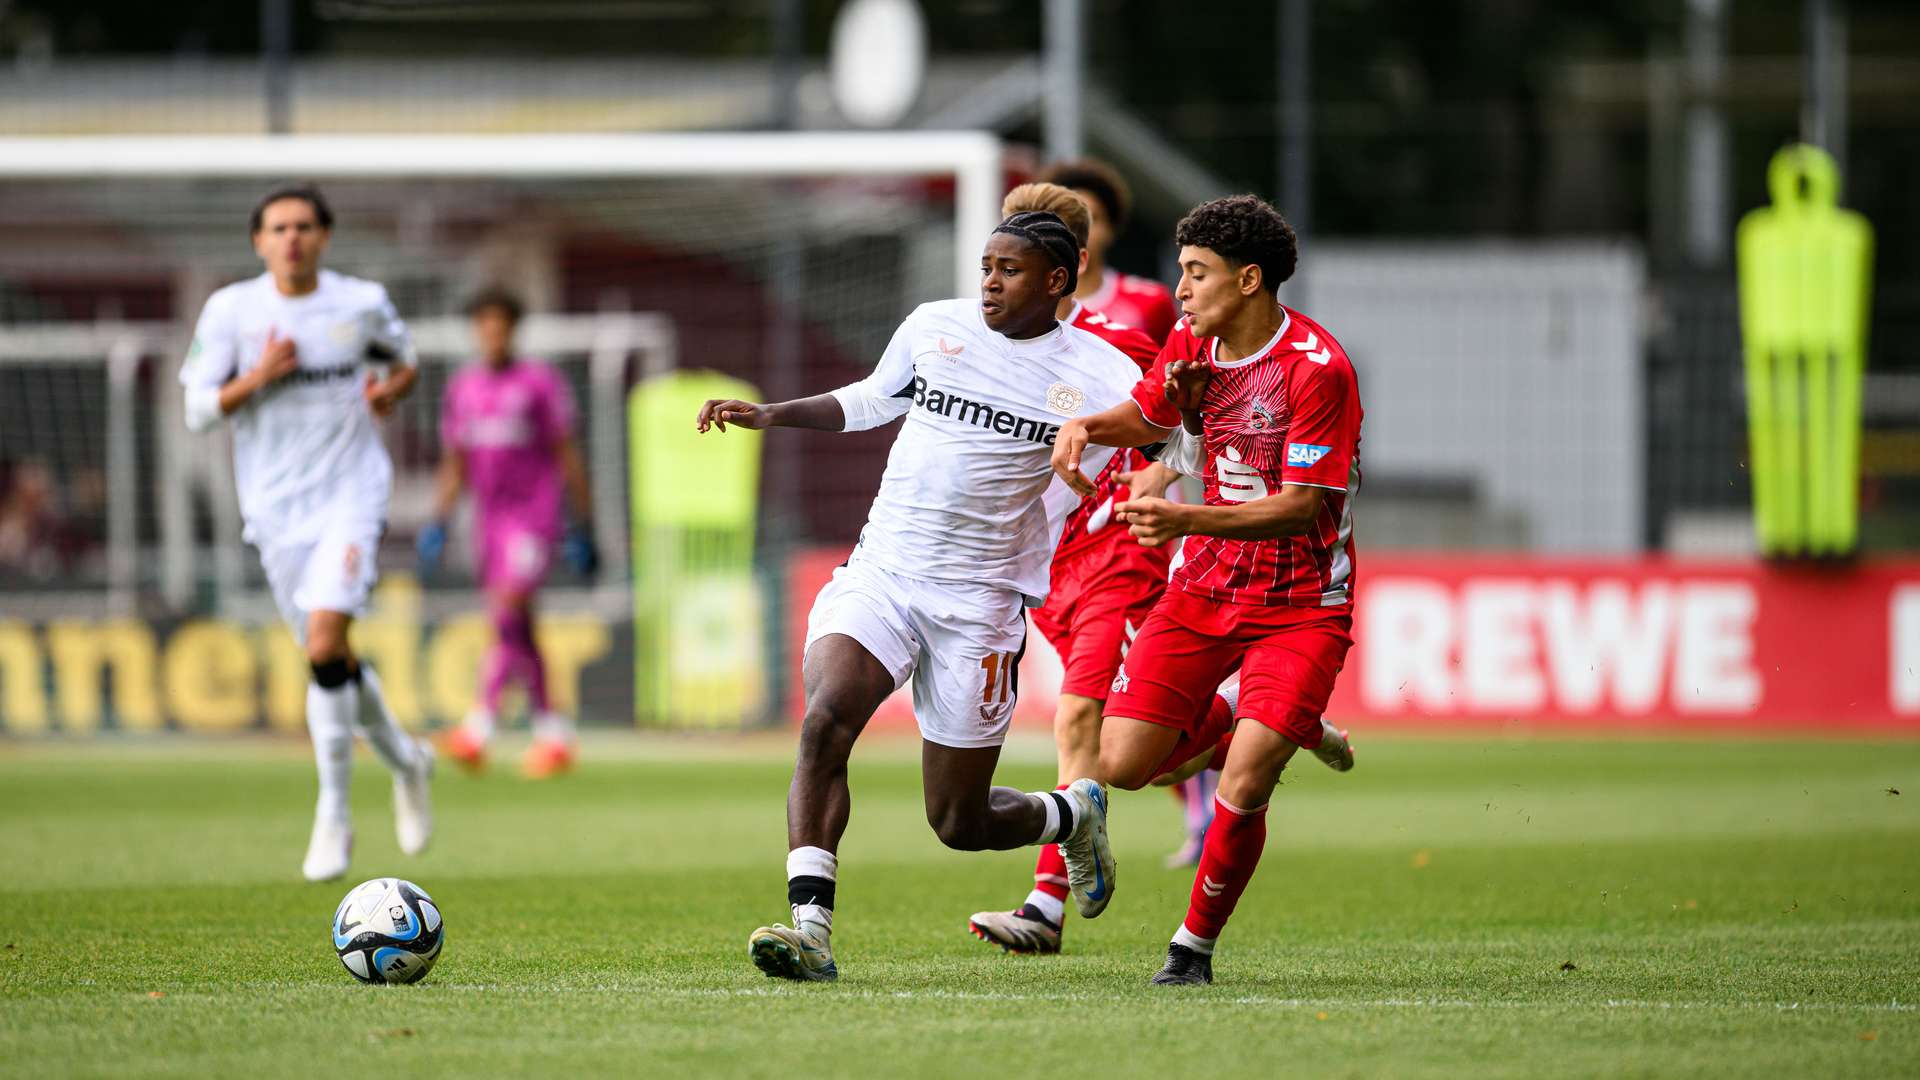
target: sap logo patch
<point>1303,455</point>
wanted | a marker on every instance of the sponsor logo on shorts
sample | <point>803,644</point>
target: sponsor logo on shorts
<point>1305,454</point>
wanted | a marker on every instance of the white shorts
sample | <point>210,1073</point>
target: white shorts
<point>960,644</point>
<point>331,571</point>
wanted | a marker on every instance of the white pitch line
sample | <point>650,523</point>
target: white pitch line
<point>1243,999</point>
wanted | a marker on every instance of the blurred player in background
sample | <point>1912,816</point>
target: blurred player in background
<point>506,429</point>
<point>283,356</point>
<point>955,549</point>
<point>1103,584</point>
<point>1267,580</point>
<point>1134,301</point>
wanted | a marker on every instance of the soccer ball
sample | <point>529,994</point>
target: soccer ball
<point>388,931</point>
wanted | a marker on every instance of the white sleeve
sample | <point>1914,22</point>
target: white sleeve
<point>389,341</point>
<point>885,395</point>
<point>1182,454</point>
<point>212,359</point>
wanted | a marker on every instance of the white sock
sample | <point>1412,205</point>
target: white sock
<point>550,726</point>
<point>1059,812</point>
<point>1230,690</point>
<point>1201,945</point>
<point>329,723</point>
<point>393,746</point>
<point>480,723</point>
<point>1052,908</point>
<point>812,911</point>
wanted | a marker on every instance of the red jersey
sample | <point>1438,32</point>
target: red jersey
<point>1088,526</point>
<point>1289,414</point>
<point>1135,301</point>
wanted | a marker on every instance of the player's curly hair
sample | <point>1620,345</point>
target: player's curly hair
<point>1243,229</point>
<point>1050,199</point>
<point>1096,178</point>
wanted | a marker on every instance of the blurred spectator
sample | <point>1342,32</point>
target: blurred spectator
<point>38,538</point>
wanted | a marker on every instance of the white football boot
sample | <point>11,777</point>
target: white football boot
<point>329,850</point>
<point>1334,749</point>
<point>785,953</point>
<point>413,801</point>
<point>1015,931</point>
<point>1090,865</point>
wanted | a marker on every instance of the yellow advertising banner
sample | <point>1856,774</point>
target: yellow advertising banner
<point>209,675</point>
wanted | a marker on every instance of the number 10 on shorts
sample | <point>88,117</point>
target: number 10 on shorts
<point>1000,678</point>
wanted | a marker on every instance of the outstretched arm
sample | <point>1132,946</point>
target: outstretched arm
<point>822,412</point>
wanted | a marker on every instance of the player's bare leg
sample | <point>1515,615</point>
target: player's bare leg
<point>844,685</point>
<point>968,812</point>
<point>1255,760</point>
<point>1035,926</point>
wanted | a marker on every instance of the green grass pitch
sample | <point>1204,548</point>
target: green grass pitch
<point>1485,906</point>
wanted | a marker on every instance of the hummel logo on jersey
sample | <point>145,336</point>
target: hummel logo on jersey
<point>1211,887</point>
<point>951,350</point>
<point>1324,356</point>
<point>1305,454</point>
<point>981,415</point>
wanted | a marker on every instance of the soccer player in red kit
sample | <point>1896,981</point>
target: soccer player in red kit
<point>1138,302</point>
<point>1104,582</point>
<point>1267,581</point>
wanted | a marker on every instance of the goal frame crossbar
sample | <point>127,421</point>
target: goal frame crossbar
<point>972,158</point>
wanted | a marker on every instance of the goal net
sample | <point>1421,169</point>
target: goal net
<point>781,260</point>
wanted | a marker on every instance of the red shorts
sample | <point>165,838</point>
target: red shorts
<point>1287,656</point>
<point>1093,611</point>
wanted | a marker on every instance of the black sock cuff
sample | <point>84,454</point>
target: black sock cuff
<point>1066,816</point>
<point>334,674</point>
<point>810,890</point>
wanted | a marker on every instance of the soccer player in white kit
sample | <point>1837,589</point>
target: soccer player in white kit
<point>284,357</point>
<point>956,546</point>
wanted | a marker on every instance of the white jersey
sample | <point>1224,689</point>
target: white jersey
<point>305,447</point>
<point>969,494</point>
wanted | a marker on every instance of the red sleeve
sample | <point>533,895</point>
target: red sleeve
<point>1150,393</point>
<point>1160,320</point>
<point>1325,427</point>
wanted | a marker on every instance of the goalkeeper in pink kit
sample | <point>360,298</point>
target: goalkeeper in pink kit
<point>506,427</point>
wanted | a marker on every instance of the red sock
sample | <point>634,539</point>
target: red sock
<point>1050,870</point>
<point>1217,725</point>
<point>1227,862</point>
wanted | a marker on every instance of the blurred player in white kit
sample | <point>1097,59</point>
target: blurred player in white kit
<point>284,357</point>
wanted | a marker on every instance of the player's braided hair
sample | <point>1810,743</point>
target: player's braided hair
<point>1051,235</point>
<point>1052,199</point>
<point>1243,229</point>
